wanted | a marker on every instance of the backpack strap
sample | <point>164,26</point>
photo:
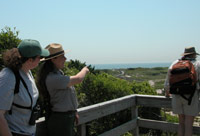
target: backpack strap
<point>188,99</point>
<point>18,78</point>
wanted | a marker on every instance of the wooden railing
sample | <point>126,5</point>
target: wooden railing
<point>99,110</point>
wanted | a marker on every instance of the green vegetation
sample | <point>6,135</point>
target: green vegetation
<point>8,39</point>
<point>168,117</point>
<point>153,76</point>
<point>140,74</point>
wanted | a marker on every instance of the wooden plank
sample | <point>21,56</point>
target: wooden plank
<point>121,129</point>
<point>163,125</point>
<point>160,125</point>
<point>96,111</point>
<point>82,130</point>
<point>196,130</point>
<point>134,115</point>
<point>153,101</point>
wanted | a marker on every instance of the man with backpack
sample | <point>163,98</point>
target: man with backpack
<point>182,83</point>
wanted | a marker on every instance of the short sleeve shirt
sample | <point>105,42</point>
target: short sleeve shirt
<point>18,120</point>
<point>62,98</point>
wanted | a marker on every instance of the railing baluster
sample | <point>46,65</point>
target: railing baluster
<point>134,115</point>
<point>82,130</point>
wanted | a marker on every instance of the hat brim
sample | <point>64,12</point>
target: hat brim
<point>44,59</point>
<point>44,53</point>
<point>184,54</point>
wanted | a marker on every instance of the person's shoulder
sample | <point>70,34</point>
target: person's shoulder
<point>7,71</point>
<point>174,62</point>
<point>52,75</point>
<point>7,74</point>
<point>197,62</point>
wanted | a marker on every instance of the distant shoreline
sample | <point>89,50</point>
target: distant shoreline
<point>130,65</point>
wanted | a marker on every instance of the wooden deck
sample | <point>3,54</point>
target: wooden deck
<point>100,110</point>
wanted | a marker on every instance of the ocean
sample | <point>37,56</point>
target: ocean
<point>130,65</point>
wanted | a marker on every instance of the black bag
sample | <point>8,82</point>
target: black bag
<point>35,114</point>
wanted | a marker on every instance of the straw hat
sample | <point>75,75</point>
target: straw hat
<point>189,50</point>
<point>55,50</point>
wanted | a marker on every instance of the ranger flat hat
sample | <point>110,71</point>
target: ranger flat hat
<point>55,50</point>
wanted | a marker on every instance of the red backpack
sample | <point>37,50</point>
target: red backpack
<point>183,79</point>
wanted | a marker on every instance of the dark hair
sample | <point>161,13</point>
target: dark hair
<point>12,59</point>
<point>44,69</point>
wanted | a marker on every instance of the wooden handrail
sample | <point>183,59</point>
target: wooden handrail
<point>100,110</point>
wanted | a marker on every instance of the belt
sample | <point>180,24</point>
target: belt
<point>15,134</point>
<point>64,112</point>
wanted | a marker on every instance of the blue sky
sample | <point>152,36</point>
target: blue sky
<point>108,31</point>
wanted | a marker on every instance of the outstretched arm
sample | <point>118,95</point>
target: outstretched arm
<point>78,78</point>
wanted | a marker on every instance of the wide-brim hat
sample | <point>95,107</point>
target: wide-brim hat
<point>55,50</point>
<point>189,51</point>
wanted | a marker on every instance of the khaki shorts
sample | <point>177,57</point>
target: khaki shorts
<point>180,105</point>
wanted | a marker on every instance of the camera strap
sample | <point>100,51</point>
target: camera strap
<point>18,79</point>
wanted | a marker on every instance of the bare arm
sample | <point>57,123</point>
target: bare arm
<point>166,85</point>
<point>78,78</point>
<point>167,93</point>
<point>4,130</point>
<point>76,118</point>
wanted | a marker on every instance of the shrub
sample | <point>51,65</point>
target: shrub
<point>8,39</point>
<point>102,87</point>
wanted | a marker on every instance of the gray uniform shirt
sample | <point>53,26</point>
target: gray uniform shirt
<point>18,120</point>
<point>62,98</point>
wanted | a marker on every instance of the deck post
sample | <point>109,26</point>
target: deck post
<point>134,114</point>
<point>82,130</point>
